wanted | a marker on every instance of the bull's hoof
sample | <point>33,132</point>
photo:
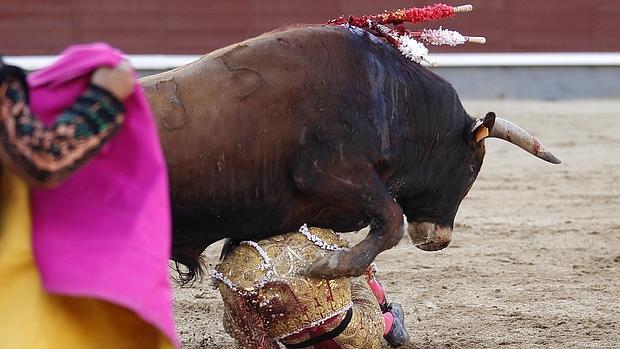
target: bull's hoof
<point>333,265</point>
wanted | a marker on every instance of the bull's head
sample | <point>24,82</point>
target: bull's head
<point>431,213</point>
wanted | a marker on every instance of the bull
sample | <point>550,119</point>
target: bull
<point>325,125</point>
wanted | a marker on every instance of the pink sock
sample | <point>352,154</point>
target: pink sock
<point>388,321</point>
<point>377,290</point>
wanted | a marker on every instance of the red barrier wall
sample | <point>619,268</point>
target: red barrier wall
<point>29,27</point>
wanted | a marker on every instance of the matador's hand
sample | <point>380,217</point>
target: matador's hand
<point>119,80</point>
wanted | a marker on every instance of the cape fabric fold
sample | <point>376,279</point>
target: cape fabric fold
<point>106,231</point>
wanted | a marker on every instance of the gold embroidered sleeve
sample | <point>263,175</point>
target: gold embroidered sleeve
<point>243,323</point>
<point>47,155</point>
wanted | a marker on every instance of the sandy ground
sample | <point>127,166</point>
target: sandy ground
<point>535,257</point>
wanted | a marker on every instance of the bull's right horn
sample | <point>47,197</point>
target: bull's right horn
<point>514,134</point>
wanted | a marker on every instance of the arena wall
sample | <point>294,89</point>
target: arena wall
<point>40,27</point>
<point>545,49</point>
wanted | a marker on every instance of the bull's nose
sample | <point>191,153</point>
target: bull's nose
<point>429,236</point>
<point>433,246</point>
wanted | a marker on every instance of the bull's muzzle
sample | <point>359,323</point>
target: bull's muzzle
<point>429,236</point>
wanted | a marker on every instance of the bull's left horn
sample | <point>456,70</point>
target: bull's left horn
<point>512,133</point>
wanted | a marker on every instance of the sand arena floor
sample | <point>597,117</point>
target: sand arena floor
<point>535,256</point>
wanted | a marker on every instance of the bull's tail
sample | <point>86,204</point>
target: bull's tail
<point>188,270</point>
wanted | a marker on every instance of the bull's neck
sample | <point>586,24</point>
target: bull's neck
<point>433,146</point>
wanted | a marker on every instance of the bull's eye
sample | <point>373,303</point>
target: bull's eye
<point>472,168</point>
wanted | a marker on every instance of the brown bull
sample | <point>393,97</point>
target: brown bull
<point>324,125</point>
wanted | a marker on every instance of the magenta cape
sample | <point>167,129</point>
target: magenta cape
<point>105,232</point>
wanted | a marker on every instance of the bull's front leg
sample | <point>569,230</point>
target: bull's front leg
<point>386,230</point>
<point>353,187</point>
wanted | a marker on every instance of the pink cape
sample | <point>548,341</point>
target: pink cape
<point>106,231</point>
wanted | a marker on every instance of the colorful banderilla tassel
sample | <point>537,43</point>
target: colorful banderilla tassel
<point>406,41</point>
<point>411,15</point>
<point>445,37</point>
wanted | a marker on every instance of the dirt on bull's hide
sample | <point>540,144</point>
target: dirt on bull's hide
<point>535,256</point>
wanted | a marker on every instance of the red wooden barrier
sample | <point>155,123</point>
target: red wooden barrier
<point>29,27</point>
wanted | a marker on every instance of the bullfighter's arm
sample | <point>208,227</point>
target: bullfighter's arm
<point>47,155</point>
<point>243,323</point>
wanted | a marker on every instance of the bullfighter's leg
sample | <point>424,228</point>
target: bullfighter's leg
<point>352,187</point>
<point>371,322</point>
<point>367,324</point>
<point>394,330</point>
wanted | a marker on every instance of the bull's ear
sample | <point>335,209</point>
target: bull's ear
<point>482,127</point>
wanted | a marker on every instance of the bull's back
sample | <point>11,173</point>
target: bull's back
<point>232,122</point>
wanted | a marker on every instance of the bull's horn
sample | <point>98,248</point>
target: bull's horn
<point>512,133</point>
